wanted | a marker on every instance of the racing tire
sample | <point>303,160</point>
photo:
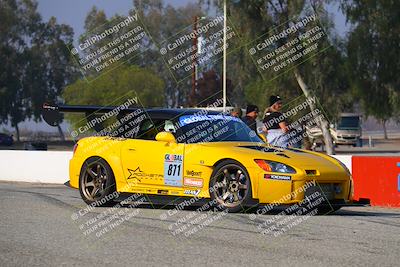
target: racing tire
<point>97,182</point>
<point>230,186</point>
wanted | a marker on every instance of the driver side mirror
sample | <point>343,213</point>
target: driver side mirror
<point>166,137</point>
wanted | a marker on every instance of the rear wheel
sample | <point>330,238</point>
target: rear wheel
<point>230,186</point>
<point>96,182</point>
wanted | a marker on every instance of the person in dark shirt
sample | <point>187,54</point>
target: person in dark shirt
<point>275,124</point>
<point>250,118</point>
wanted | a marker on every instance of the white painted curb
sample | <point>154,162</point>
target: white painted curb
<point>35,166</point>
<point>52,166</point>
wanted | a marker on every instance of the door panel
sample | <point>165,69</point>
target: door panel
<point>153,164</point>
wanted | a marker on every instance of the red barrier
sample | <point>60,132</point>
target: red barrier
<point>377,179</point>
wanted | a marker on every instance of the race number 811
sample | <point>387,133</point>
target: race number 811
<point>173,169</point>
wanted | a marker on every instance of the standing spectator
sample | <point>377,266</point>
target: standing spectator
<point>275,123</point>
<point>250,118</point>
<point>236,112</point>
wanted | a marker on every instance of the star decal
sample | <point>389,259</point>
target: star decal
<point>132,173</point>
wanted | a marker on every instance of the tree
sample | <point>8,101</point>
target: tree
<point>35,61</point>
<point>115,88</point>
<point>49,67</point>
<point>209,88</point>
<point>162,23</point>
<point>373,56</point>
<point>264,18</point>
<point>17,19</point>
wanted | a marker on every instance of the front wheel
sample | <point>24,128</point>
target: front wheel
<point>230,186</point>
<point>96,182</point>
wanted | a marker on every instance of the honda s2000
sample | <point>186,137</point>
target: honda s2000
<point>181,153</point>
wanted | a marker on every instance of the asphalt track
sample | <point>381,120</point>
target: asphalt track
<point>44,225</point>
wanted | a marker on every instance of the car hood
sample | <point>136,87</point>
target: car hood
<point>302,159</point>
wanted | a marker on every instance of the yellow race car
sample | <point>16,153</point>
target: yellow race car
<point>187,153</point>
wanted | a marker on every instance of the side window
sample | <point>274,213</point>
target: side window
<point>150,128</point>
<point>147,130</point>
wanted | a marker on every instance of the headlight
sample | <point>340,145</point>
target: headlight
<point>272,166</point>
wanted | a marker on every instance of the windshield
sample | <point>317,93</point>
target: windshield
<point>348,122</point>
<point>214,128</point>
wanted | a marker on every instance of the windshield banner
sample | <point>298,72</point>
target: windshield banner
<point>188,119</point>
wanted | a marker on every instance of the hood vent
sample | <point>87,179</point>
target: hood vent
<point>262,149</point>
<point>283,155</point>
<point>311,172</point>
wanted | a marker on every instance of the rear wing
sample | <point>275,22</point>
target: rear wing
<point>53,114</point>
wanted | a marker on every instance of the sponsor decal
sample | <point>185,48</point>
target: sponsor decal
<point>277,177</point>
<point>133,173</point>
<point>139,190</point>
<point>173,158</point>
<point>162,192</point>
<point>192,192</point>
<point>195,182</point>
<point>193,173</point>
<point>173,169</point>
<point>138,175</point>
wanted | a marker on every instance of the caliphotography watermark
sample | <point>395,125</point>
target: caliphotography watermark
<point>110,126</point>
<point>314,201</point>
<point>195,47</point>
<point>108,46</point>
<point>303,123</point>
<point>287,45</point>
<point>186,224</point>
<point>94,224</point>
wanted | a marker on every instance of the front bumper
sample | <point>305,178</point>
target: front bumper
<point>346,140</point>
<point>74,171</point>
<point>296,190</point>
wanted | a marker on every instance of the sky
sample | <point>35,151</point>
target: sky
<point>73,13</point>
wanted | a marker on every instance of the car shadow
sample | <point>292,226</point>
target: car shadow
<point>360,213</point>
<point>274,211</point>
